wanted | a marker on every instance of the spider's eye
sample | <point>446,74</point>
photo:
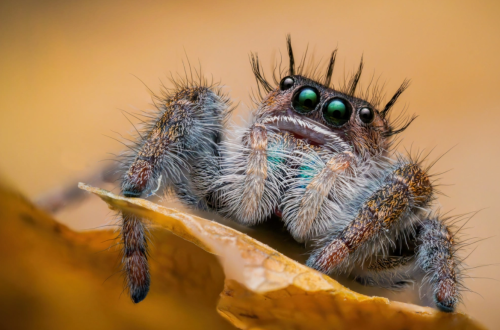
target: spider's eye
<point>337,112</point>
<point>366,115</point>
<point>305,100</point>
<point>286,83</point>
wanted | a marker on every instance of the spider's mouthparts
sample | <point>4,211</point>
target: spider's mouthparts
<point>304,128</point>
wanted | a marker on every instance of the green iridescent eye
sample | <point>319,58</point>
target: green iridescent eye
<point>337,112</point>
<point>305,100</point>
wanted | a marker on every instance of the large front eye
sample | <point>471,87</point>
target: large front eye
<point>306,99</point>
<point>337,112</point>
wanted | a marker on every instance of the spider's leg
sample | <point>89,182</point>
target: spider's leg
<point>437,258</point>
<point>308,206</point>
<point>386,211</point>
<point>253,172</point>
<point>188,130</point>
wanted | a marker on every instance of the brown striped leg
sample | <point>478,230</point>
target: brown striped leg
<point>135,259</point>
<point>187,131</point>
<point>190,124</point>
<point>254,174</point>
<point>436,256</point>
<point>405,189</point>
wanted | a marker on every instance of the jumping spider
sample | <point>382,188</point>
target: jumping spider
<point>317,157</point>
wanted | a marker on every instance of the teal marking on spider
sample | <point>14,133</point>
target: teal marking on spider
<point>307,173</point>
<point>274,156</point>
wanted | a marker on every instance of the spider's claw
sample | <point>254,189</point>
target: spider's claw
<point>139,293</point>
<point>132,194</point>
<point>445,298</point>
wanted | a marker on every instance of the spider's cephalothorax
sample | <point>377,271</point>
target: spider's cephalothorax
<point>316,156</point>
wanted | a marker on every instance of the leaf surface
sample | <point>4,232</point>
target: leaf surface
<point>264,289</point>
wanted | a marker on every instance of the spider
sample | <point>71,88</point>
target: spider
<point>320,158</point>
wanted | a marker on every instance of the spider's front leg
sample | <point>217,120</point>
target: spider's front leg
<point>186,134</point>
<point>402,192</point>
<point>387,213</point>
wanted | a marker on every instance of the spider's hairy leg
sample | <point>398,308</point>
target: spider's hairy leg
<point>190,123</point>
<point>188,128</point>
<point>389,208</point>
<point>135,263</point>
<point>436,256</point>
<point>307,207</point>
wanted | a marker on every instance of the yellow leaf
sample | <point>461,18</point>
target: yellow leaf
<point>264,289</point>
<point>52,277</point>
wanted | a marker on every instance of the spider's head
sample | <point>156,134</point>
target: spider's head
<point>318,114</point>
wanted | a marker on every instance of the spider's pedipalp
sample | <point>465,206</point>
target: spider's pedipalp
<point>253,174</point>
<point>308,206</point>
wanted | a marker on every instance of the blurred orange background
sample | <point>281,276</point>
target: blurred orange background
<point>68,67</point>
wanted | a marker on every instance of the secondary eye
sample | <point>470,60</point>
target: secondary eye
<point>337,112</point>
<point>366,115</point>
<point>305,100</point>
<point>286,83</point>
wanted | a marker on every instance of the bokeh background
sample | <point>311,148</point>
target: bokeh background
<point>67,68</point>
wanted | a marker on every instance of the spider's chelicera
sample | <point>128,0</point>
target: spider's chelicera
<point>316,156</point>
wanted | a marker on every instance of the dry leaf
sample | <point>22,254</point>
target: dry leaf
<point>263,289</point>
<point>54,278</point>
